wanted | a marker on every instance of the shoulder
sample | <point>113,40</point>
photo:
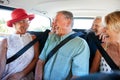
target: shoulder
<point>3,42</point>
<point>33,36</point>
<point>52,36</point>
<point>79,40</point>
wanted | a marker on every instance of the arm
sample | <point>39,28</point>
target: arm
<point>39,70</point>
<point>3,51</point>
<point>34,61</point>
<point>80,63</point>
<point>96,62</point>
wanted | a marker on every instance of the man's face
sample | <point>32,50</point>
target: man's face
<point>97,23</point>
<point>60,24</point>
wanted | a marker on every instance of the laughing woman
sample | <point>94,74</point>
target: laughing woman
<point>20,68</point>
<point>111,46</point>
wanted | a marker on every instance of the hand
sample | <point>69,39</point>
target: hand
<point>38,78</point>
<point>103,37</point>
<point>16,76</point>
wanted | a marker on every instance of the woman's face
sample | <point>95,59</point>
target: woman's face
<point>111,34</point>
<point>21,26</point>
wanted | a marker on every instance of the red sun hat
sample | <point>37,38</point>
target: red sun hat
<point>17,15</point>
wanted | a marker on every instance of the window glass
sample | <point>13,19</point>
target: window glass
<point>39,23</point>
<point>5,16</point>
<point>82,23</point>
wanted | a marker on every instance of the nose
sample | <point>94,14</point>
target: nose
<point>93,27</point>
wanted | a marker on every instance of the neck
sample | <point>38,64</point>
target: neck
<point>20,33</point>
<point>66,32</point>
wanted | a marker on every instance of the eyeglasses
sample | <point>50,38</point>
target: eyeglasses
<point>24,21</point>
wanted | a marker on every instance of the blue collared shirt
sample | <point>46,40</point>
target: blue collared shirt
<point>72,57</point>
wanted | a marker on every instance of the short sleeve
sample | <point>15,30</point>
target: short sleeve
<point>80,64</point>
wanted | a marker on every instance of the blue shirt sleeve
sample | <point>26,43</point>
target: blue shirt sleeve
<point>80,64</point>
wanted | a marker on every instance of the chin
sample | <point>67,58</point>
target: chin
<point>23,32</point>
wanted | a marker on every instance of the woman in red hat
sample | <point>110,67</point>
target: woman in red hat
<point>20,68</point>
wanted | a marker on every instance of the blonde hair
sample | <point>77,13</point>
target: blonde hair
<point>112,21</point>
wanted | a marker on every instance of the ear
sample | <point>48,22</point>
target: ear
<point>69,22</point>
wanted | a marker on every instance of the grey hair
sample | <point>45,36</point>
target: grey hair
<point>68,15</point>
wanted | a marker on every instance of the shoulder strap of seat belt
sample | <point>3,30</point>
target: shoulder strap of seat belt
<point>104,54</point>
<point>20,52</point>
<point>54,50</point>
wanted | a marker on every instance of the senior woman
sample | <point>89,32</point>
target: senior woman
<point>19,69</point>
<point>111,45</point>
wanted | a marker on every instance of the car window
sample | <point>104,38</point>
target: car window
<point>83,22</point>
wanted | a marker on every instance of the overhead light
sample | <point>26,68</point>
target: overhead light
<point>5,2</point>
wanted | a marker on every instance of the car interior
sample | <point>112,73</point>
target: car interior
<point>84,12</point>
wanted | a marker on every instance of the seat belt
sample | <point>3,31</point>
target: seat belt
<point>20,52</point>
<point>104,53</point>
<point>54,50</point>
